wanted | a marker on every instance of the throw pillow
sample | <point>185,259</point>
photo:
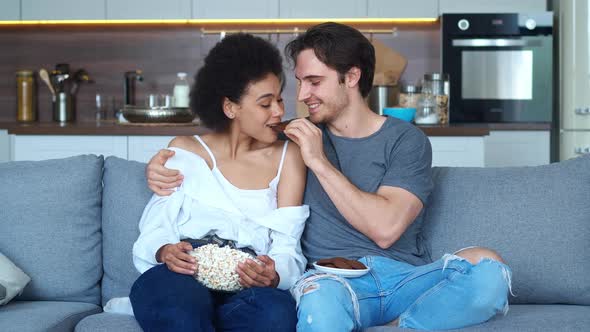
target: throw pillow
<point>12,280</point>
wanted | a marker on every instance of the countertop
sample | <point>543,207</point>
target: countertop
<point>111,128</point>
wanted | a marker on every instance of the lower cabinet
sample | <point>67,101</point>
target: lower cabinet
<point>4,146</point>
<point>517,148</point>
<point>40,147</point>
<point>142,148</point>
<point>458,151</point>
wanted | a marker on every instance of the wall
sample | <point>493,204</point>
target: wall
<point>107,52</point>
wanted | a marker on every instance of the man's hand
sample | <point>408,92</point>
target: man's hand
<point>176,258</point>
<point>253,274</point>
<point>309,138</point>
<point>161,179</point>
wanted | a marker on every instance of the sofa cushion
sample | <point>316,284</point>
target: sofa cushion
<point>125,196</point>
<point>32,316</point>
<point>527,317</point>
<point>12,280</point>
<point>50,226</point>
<point>107,322</point>
<point>537,218</point>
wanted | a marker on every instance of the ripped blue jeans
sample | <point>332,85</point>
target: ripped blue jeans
<point>449,293</point>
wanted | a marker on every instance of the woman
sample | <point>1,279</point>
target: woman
<point>240,184</point>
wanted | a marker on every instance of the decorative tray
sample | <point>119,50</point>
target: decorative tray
<point>158,114</point>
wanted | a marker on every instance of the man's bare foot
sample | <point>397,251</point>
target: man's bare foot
<point>393,323</point>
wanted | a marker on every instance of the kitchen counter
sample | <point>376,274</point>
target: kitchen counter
<point>111,128</point>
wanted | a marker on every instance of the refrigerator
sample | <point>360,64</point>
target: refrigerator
<point>574,76</point>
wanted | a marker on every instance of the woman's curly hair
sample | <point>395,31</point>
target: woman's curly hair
<point>230,67</point>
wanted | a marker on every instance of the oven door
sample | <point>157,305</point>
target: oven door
<point>500,80</point>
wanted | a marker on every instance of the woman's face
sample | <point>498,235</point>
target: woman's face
<point>260,106</point>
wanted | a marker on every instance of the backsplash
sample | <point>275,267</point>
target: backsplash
<point>160,52</point>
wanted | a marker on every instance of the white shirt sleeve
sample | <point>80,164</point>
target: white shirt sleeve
<point>286,225</point>
<point>159,223</point>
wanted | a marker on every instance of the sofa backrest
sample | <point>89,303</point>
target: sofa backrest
<point>50,214</point>
<point>537,218</point>
<point>125,196</point>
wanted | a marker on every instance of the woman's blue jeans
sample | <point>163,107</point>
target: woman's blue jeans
<point>168,301</point>
<point>446,294</point>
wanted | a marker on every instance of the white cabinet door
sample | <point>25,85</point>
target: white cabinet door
<point>10,10</point>
<point>232,9</point>
<point>403,8</point>
<point>492,6</point>
<point>574,144</point>
<point>4,146</point>
<point>457,151</point>
<point>323,8</point>
<point>143,148</point>
<point>148,9</point>
<point>63,10</point>
<point>517,148</point>
<point>40,147</point>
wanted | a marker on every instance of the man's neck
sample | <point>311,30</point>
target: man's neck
<point>356,121</point>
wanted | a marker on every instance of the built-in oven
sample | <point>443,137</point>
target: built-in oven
<point>500,66</point>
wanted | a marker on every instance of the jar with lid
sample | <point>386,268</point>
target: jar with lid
<point>437,85</point>
<point>25,95</point>
<point>426,110</point>
<point>409,96</point>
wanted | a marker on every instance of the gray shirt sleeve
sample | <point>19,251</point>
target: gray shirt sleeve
<point>410,160</point>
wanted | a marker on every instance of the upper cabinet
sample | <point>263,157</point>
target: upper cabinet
<point>63,9</point>
<point>148,9</point>
<point>495,6</point>
<point>403,8</point>
<point>323,8</point>
<point>235,9</point>
<point>10,10</point>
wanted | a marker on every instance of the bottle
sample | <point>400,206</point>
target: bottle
<point>181,91</point>
<point>25,92</point>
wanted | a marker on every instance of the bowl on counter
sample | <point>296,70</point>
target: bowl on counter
<point>402,113</point>
<point>158,114</point>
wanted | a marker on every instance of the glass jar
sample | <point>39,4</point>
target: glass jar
<point>437,85</point>
<point>409,96</point>
<point>25,96</point>
<point>426,110</point>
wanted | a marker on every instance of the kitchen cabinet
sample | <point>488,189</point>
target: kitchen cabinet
<point>235,9</point>
<point>494,6</point>
<point>403,8</point>
<point>574,144</point>
<point>40,147</point>
<point>148,9</point>
<point>143,148</point>
<point>323,9</point>
<point>517,148</point>
<point>458,151</point>
<point>4,146</point>
<point>10,10</point>
<point>63,10</point>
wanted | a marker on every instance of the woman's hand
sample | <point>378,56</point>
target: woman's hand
<point>253,274</point>
<point>161,179</point>
<point>176,258</point>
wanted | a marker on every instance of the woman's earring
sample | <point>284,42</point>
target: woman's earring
<point>230,115</point>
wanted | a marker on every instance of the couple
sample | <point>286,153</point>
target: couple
<point>368,179</point>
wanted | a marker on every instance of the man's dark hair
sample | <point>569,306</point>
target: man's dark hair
<point>230,67</point>
<point>339,47</point>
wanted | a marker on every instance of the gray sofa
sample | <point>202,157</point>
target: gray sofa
<point>70,225</point>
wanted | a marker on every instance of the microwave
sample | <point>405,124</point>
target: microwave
<point>500,66</point>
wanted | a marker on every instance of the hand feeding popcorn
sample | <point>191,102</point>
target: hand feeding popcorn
<point>217,266</point>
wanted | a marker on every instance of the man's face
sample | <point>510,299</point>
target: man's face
<point>319,88</point>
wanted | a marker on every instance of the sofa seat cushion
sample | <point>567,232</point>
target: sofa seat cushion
<point>50,226</point>
<point>31,316</point>
<point>527,317</point>
<point>537,218</point>
<point>107,322</point>
<point>125,196</point>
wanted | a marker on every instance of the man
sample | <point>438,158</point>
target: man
<point>368,180</point>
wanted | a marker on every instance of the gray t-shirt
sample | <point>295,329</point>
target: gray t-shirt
<point>397,155</point>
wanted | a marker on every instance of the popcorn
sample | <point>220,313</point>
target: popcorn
<point>217,267</point>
